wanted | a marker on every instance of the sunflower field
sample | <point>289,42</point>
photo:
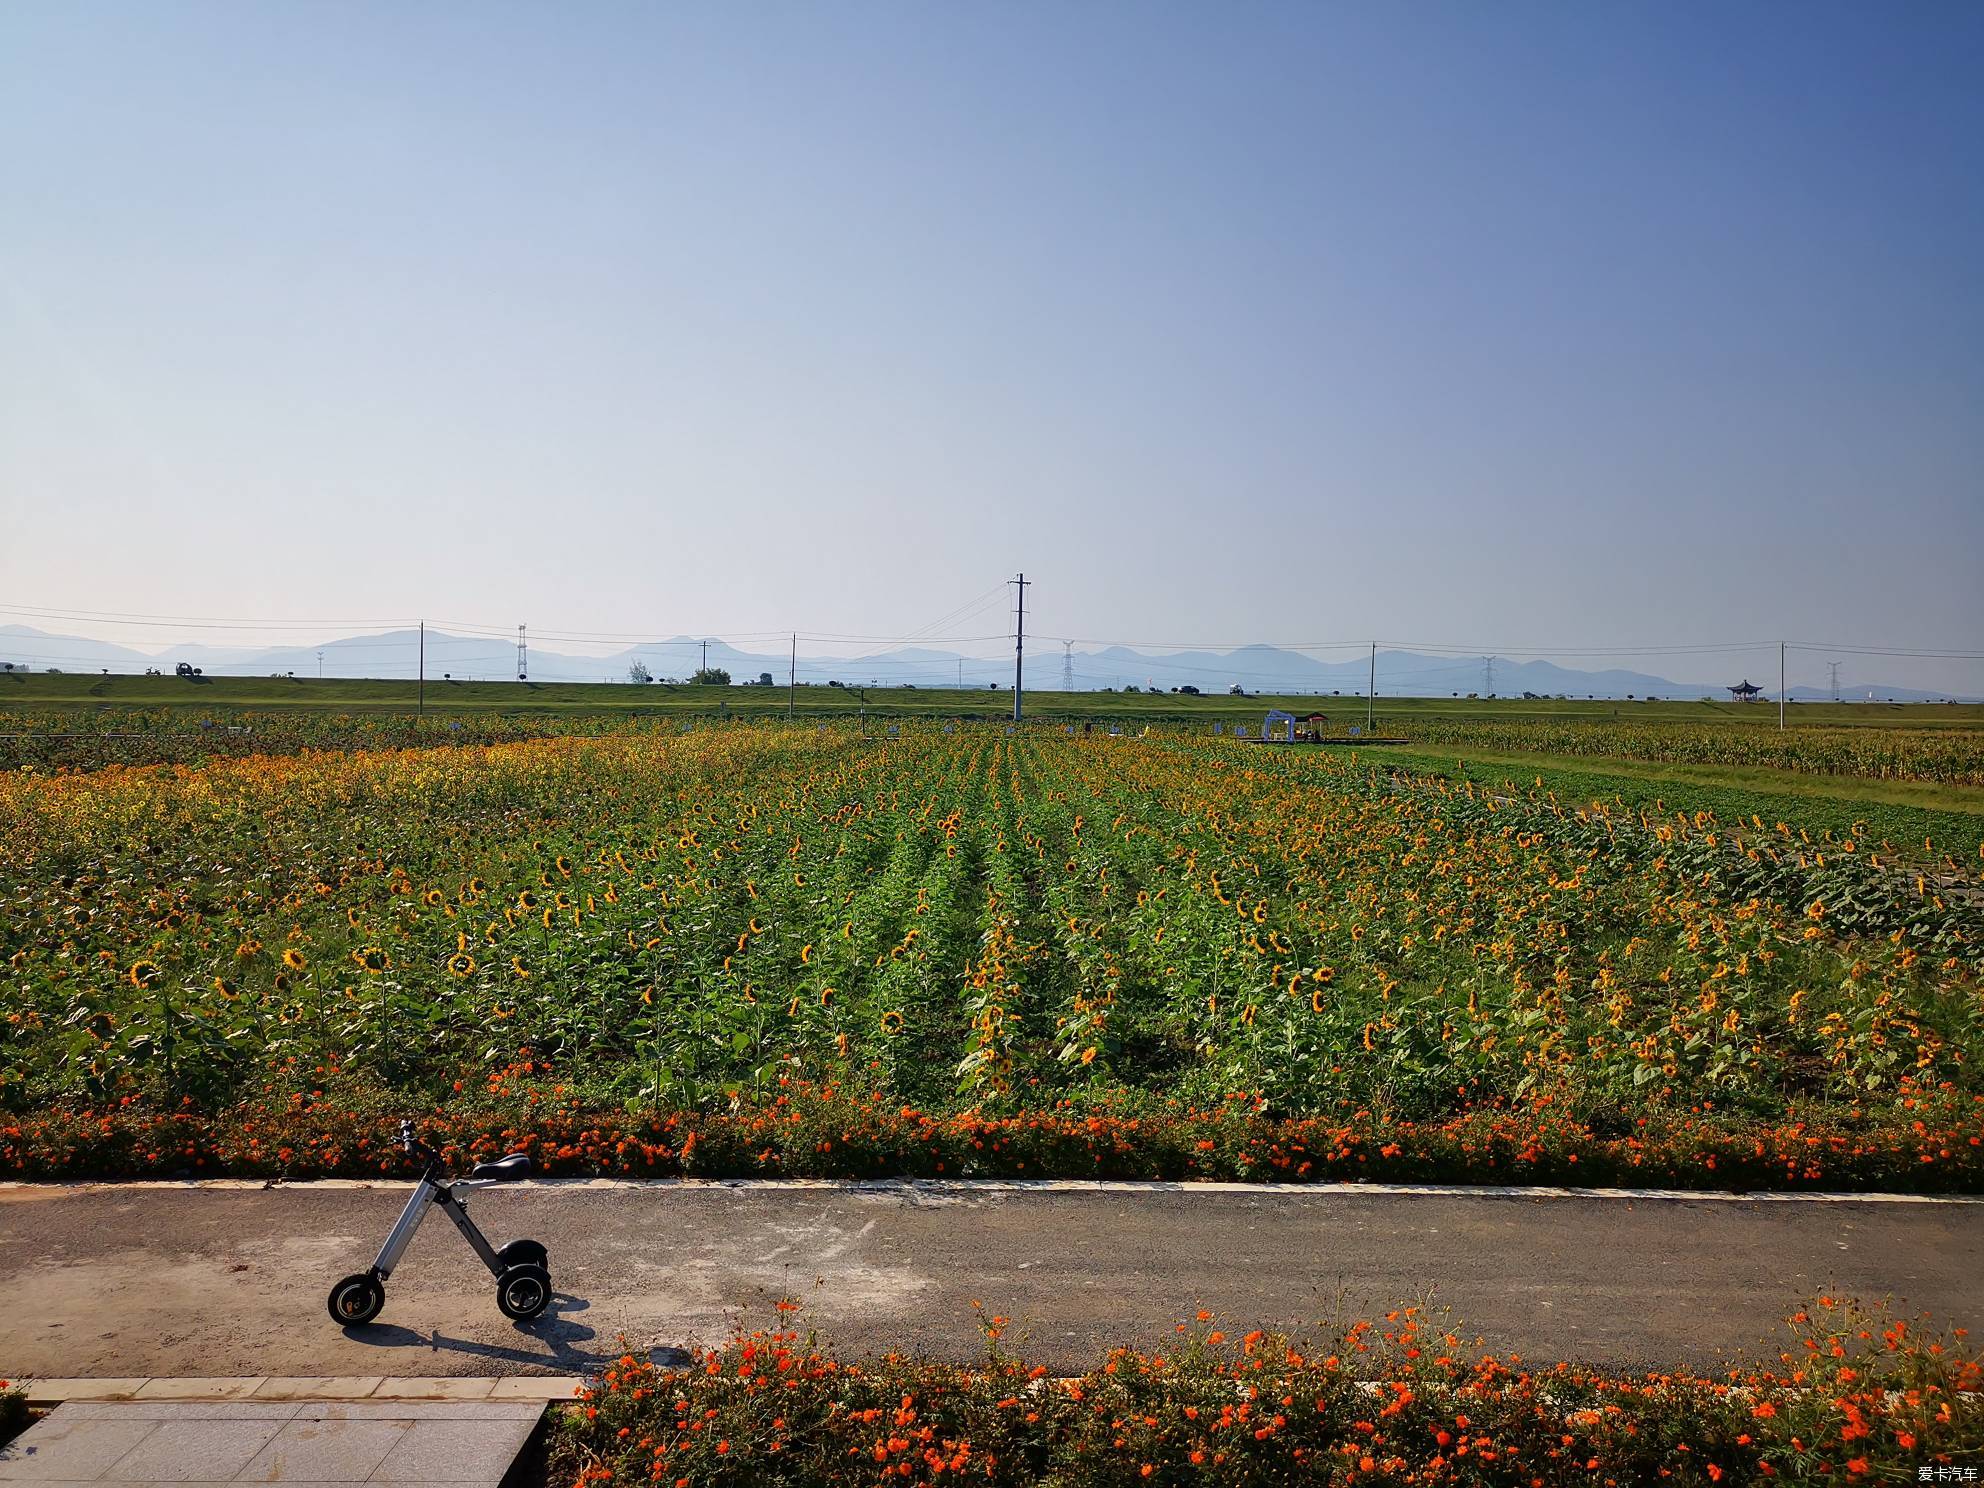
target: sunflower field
<point>1028,951</point>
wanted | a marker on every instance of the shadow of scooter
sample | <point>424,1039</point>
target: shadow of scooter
<point>561,1335</point>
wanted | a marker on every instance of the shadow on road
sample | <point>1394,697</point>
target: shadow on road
<point>564,1341</point>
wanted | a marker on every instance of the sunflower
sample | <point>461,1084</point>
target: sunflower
<point>433,897</point>
<point>527,899</point>
<point>517,965</point>
<point>894,1026</point>
<point>143,973</point>
<point>461,963</point>
<point>477,886</point>
<point>293,959</point>
<point>372,959</point>
<point>226,988</point>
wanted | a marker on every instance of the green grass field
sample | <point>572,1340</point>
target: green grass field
<point>1902,811</point>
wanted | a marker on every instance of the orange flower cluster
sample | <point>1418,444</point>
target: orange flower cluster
<point>1397,1401</point>
<point>826,1132</point>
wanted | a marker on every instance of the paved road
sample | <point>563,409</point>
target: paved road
<point>163,1281</point>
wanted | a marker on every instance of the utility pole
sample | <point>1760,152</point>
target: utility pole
<point>320,666</point>
<point>792,677</point>
<point>1371,698</point>
<point>1780,687</point>
<point>1833,667</point>
<point>706,654</point>
<point>1019,644</point>
<point>423,667</point>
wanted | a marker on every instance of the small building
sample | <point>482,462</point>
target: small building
<point>1745,691</point>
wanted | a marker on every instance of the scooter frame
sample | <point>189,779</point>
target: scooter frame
<point>523,1282</point>
<point>442,1195</point>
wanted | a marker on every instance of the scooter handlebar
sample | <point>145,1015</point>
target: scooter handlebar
<point>414,1145</point>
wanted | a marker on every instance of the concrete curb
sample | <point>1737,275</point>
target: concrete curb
<point>968,1186</point>
<point>515,1388</point>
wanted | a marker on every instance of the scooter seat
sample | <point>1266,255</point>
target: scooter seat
<point>504,1170</point>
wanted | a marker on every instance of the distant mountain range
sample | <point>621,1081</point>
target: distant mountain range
<point>1263,669</point>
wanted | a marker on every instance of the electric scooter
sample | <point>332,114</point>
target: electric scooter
<point>523,1284</point>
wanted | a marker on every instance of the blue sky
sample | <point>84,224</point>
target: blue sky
<point>1518,326</point>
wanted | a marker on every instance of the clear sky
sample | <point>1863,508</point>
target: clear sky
<point>1515,325</point>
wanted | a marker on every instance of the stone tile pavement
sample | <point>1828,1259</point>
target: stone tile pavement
<point>214,1431</point>
<point>51,1392</point>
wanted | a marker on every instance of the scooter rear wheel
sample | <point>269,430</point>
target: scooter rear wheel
<point>522,1292</point>
<point>524,1253</point>
<point>356,1300</point>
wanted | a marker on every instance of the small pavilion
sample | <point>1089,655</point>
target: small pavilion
<point>1745,691</point>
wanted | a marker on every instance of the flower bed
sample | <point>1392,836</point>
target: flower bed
<point>1856,1397</point>
<point>1936,1145</point>
<point>14,1415</point>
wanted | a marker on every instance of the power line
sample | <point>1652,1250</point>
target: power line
<point>969,607</point>
<point>1929,654</point>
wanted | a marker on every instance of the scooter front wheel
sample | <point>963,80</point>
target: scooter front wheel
<point>357,1299</point>
<point>522,1292</point>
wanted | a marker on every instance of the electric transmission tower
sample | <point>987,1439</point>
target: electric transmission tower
<point>1487,676</point>
<point>523,656</point>
<point>1067,666</point>
<point>1833,667</point>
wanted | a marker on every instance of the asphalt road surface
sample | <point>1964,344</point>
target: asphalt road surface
<point>183,1281</point>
